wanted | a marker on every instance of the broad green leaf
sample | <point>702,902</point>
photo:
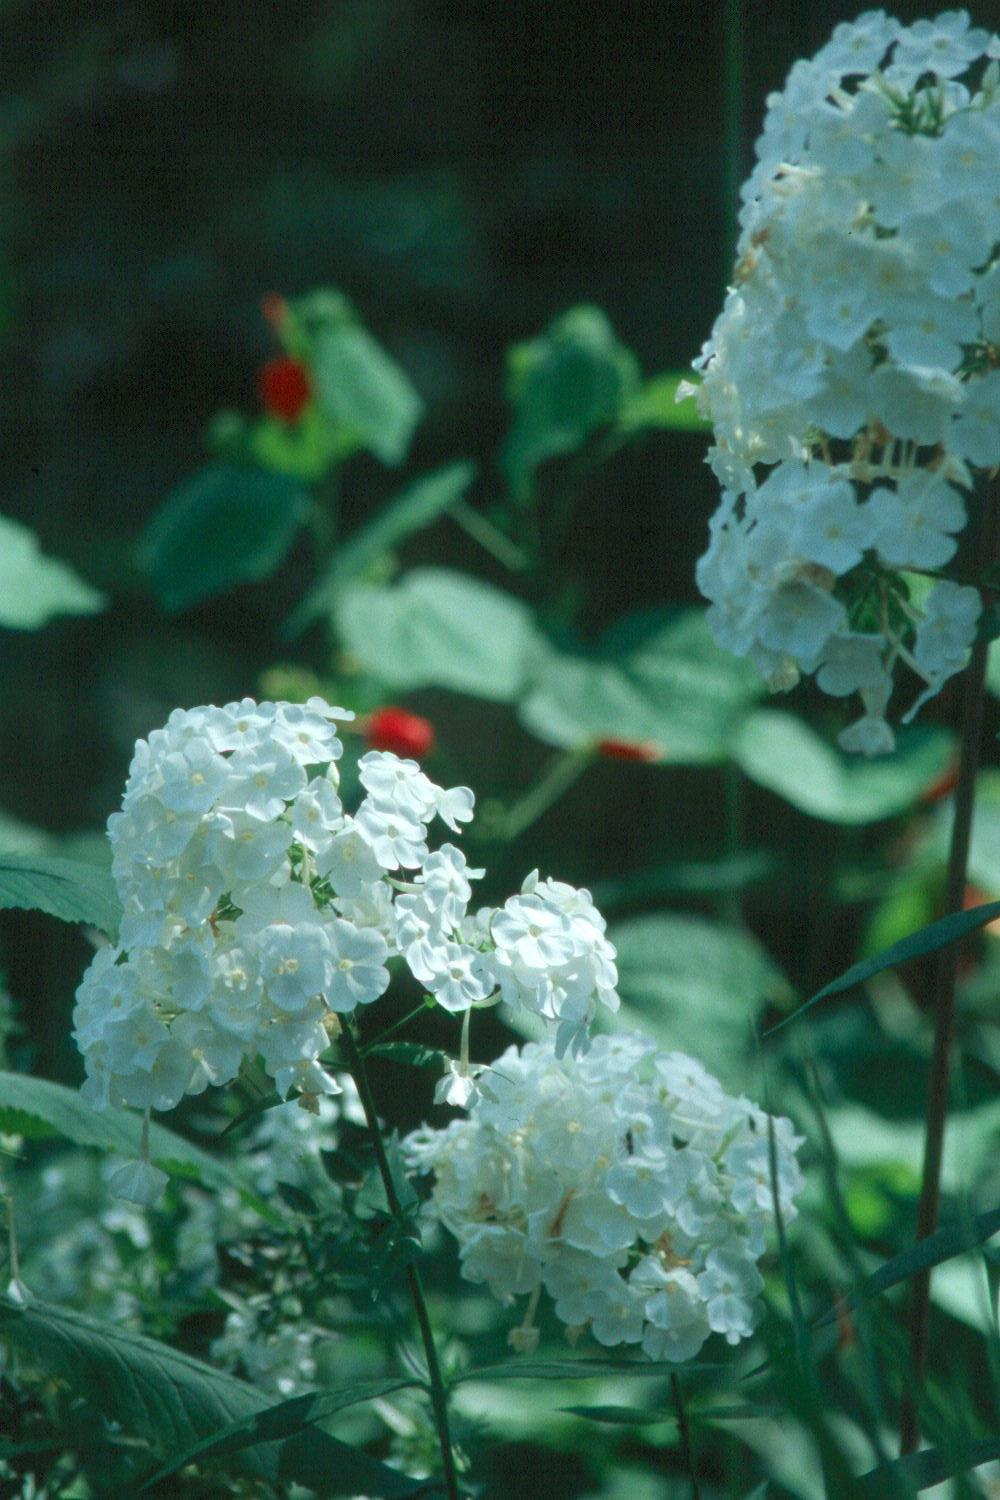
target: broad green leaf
<point>440,628</point>
<point>172,1401</point>
<point>779,751</point>
<point>38,1108</point>
<point>226,525</point>
<point>656,405</point>
<point>283,1420</point>
<point>927,940</point>
<point>419,505</point>
<point>34,587</point>
<point>695,985</point>
<point>362,390</point>
<point>655,676</point>
<point>885,1156</point>
<point>18,837</point>
<point>64,888</point>
<point>931,1466</point>
<point>572,380</point>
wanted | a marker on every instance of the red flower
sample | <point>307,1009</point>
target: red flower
<point>401,732</point>
<point>284,387</point>
<point>642,750</point>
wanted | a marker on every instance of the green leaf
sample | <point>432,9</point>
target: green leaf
<point>955,1239</point>
<point>440,628</point>
<point>931,1466</point>
<point>629,1416</point>
<point>581,1369</point>
<point>656,405</point>
<point>34,587</point>
<point>173,1401</point>
<point>362,390</point>
<point>226,525</point>
<point>655,676</point>
<point>419,505</point>
<point>695,985</point>
<point>64,888</point>
<point>993,669</point>
<point>411,1054</point>
<point>39,1109</point>
<point>779,751</point>
<point>927,940</point>
<point>565,385</point>
<point>305,450</point>
<point>283,1420</point>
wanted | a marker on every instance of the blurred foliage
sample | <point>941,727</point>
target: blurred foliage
<point>476,248</point>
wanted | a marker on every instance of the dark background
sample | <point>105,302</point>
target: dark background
<point>463,172</point>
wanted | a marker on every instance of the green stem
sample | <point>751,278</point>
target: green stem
<point>732,129</point>
<point>947,977</point>
<point>389,1031</point>
<point>684,1432</point>
<point>489,537</point>
<point>557,779</point>
<point>438,1394</point>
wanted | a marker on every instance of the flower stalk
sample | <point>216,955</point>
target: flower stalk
<point>438,1393</point>
<point>946,984</point>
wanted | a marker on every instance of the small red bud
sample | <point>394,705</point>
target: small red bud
<point>847,1334</point>
<point>401,732</point>
<point>274,308</point>
<point>284,387</point>
<point>941,787</point>
<point>641,750</point>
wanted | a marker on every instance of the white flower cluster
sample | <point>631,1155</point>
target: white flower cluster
<point>257,910</point>
<point>627,1183</point>
<point>853,377</point>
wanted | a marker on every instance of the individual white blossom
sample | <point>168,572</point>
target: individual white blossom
<point>851,378</point>
<point>257,910</point>
<point>626,1184</point>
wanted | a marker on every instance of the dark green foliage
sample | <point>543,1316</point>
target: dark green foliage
<point>229,524</point>
<point>64,888</point>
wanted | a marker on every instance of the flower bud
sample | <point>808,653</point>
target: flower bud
<point>403,733</point>
<point>285,387</point>
<point>646,751</point>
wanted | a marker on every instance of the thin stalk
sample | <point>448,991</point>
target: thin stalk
<point>396,1026</point>
<point>947,976</point>
<point>732,127</point>
<point>489,537</point>
<point>684,1432</point>
<point>438,1394</point>
<point>558,777</point>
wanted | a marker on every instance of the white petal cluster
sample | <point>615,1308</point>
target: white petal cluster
<point>257,910</point>
<point>550,956</point>
<point>853,377</point>
<point>626,1183</point>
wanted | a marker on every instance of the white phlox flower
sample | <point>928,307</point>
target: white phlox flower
<point>626,1184</point>
<point>257,909</point>
<point>852,377</point>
